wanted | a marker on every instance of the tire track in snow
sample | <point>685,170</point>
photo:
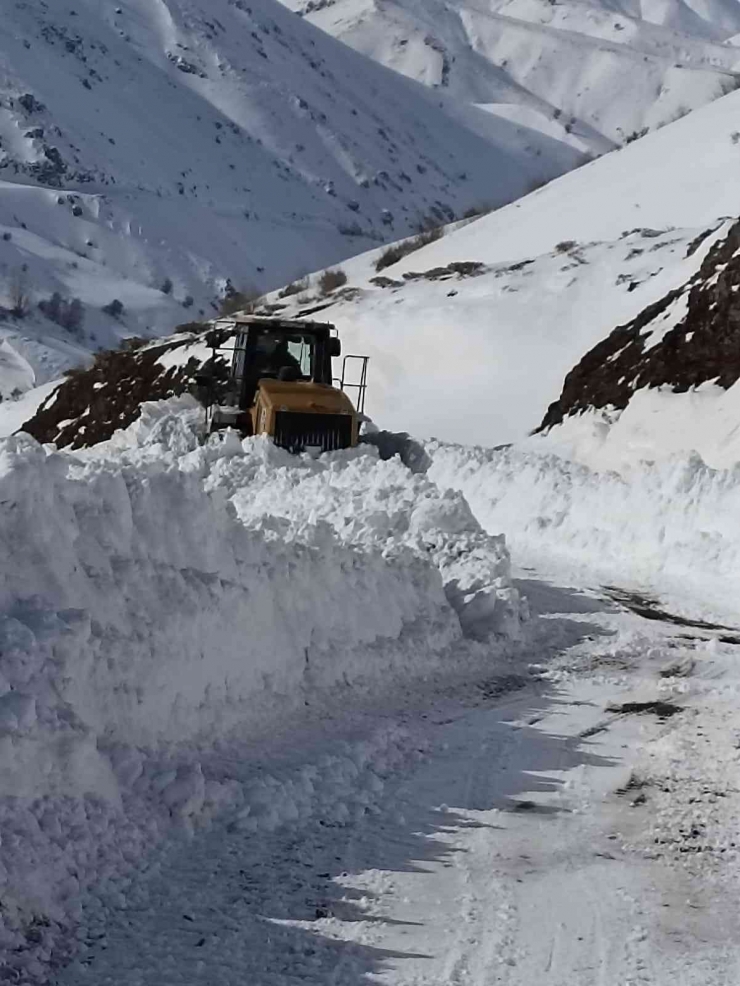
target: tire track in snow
<point>502,858</point>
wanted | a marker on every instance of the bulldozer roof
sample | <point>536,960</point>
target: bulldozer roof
<point>277,323</point>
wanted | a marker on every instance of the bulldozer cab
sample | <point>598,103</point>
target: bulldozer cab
<point>281,352</point>
<point>274,376</point>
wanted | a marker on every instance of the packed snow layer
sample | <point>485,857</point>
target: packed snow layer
<point>668,524</point>
<point>160,598</point>
<point>266,148</point>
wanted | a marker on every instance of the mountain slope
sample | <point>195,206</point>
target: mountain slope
<point>151,151</point>
<point>477,347</point>
<point>471,336</point>
<point>593,73</point>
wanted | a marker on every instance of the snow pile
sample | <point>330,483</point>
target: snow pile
<point>162,598</point>
<point>138,601</point>
<point>374,504</point>
<point>668,524</point>
<point>656,424</point>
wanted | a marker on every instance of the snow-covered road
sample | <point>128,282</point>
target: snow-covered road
<point>522,830</point>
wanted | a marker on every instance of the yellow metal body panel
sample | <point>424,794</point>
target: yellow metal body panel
<point>302,396</point>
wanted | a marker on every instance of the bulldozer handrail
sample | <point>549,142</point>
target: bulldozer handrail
<point>361,385</point>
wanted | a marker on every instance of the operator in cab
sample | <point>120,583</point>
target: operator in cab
<point>272,355</point>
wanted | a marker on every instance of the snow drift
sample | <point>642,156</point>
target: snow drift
<point>160,598</point>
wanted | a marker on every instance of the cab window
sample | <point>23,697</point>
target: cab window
<point>275,350</point>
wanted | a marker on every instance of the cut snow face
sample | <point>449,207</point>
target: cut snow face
<point>670,524</point>
<point>167,598</point>
<point>266,148</point>
<point>591,73</point>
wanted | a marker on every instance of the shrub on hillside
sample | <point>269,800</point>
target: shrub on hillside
<point>400,250</point>
<point>20,299</point>
<point>129,345</point>
<point>69,314</point>
<point>234,300</point>
<point>114,308</point>
<point>636,135</point>
<point>477,210</point>
<point>295,287</point>
<point>330,280</point>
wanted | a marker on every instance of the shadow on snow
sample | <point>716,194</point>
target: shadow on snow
<point>233,907</point>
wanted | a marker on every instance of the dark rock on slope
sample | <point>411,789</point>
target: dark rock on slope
<point>702,345</point>
<point>93,403</point>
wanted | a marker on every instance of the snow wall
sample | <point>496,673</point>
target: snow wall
<point>670,525</point>
<point>159,599</point>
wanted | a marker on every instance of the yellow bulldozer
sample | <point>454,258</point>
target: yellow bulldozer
<point>272,376</point>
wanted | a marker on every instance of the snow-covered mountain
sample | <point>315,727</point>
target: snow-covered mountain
<point>592,73</point>
<point>472,336</point>
<point>150,152</point>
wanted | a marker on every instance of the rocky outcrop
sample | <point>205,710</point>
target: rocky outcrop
<point>688,337</point>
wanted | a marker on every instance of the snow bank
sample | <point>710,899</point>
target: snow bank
<point>656,424</point>
<point>672,524</point>
<point>160,599</point>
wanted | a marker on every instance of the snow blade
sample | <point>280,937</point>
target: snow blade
<point>390,443</point>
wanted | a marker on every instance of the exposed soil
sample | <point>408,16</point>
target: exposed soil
<point>92,404</point>
<point>458,268</point>
<point>663,710</point>
<point>650,609</point>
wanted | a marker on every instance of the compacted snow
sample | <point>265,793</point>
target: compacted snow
<point>579,830</point>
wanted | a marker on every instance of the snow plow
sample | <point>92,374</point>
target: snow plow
<point>272,376</point>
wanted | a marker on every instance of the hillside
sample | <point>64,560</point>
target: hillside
<point>472,336</point>
<point>592,73</point>
<point>265,149</point>
<point>476,353</point>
